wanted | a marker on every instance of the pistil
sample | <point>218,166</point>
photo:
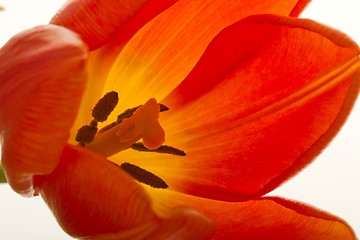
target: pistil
<point>143,124</point>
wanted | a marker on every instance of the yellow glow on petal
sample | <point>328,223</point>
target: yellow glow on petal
<point>134,81</point>
<point>166,49</point>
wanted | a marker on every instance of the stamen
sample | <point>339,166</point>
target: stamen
<point>163,108</point>
<point>162,149</point>
<point>136,123</point>
<point>144,176</point>
<point>105,106</point>
<point>86,133</point>
<point>127,114</point>
<point>100,113</point>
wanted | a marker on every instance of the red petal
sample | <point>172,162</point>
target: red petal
<point>42,79</point>
<point>160,55</point>
<point>164,51</point>
<point>96,21</point>
<point>269,218</point>
<point>185,223</point>
<point>94,199</point>
<point>267,96</point>
<point>170,36</point>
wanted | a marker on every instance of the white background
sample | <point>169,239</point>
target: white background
<point>331,183</point>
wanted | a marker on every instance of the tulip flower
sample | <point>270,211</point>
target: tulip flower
<point>171,119</point>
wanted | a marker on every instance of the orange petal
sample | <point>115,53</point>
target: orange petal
<point>269,218</point>
<point>96,21</point>
<point>299,7</point>
<point>94,199</point>
<point>42,79</point>
<point>266,97</point>
<point>160,55</point>
<point>165,50</point>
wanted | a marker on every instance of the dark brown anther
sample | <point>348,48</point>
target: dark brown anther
<point>144,176</point>
<point>86,133</point>
<point>127,114</point>
<point>105,106</point>
<point>163,108</point>
<point>162,149</point>
<point>93,123</point>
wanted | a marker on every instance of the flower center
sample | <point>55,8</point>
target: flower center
<point>134,124</point>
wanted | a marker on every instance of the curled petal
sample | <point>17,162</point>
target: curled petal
<point>90,196</point>
<point>299,7</point>
<point>269,218</point>
<point>266,97</point>
<point>96,21</point>
<point>43,76</point>
<point>93,198</point>
<point>185,223</point>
